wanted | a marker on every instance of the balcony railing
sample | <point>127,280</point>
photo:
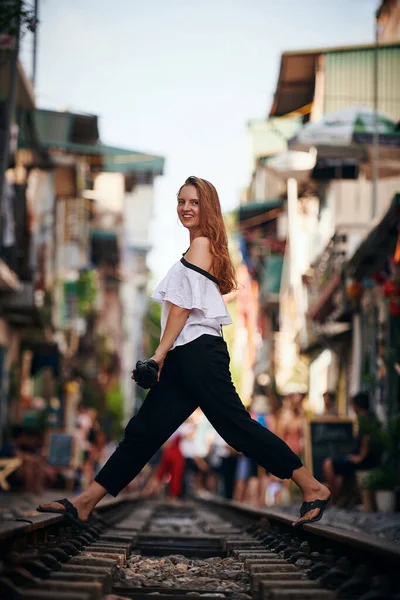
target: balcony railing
<point>327,266</point>
<point>324,278</point>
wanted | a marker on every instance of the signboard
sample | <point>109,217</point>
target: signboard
<point>327,437</point>
<point>60,450</point>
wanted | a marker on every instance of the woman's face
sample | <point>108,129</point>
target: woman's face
<point>189,208</point>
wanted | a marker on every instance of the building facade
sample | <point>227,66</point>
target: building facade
<point>73,271</point>
<point>327,203</point>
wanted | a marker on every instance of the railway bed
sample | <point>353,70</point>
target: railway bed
<point>206,548</point>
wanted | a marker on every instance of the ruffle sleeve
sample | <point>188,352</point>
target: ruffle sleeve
<point>191,289</point>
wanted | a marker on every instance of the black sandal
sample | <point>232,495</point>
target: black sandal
<point>307,506</point>
<point>69,513</point>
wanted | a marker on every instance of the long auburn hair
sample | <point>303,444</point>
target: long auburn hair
<point>212,226</point>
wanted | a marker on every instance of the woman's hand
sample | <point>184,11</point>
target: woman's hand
<point>159,357</point>
<point>146,373</point>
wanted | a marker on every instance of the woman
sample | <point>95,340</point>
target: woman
<point>194,369</point>
<point>293,425</point>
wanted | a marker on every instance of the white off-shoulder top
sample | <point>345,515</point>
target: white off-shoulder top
<point>188,286</point>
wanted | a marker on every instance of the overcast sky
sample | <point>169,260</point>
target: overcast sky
<point>181,78</point>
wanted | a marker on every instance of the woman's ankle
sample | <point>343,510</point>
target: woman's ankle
<point>84,500</point>
<point>306,482</point>
<point>90,497</point>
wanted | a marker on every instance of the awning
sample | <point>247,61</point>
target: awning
<point>379,244</point>
<point>78,134</point>
<point>255,213</point>
<point>120,160</point>
<point>296,82</point>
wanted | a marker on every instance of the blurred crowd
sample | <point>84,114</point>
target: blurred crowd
<point>195,458</point>
<point>25,455</point>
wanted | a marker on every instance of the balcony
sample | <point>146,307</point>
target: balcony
<point>324,280</point>
<point>15,239</point>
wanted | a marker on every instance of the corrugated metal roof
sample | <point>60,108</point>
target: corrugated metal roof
<point>62,130</point>
<point>349,79</point>
<point>296,81</point>
<point>328,49</point>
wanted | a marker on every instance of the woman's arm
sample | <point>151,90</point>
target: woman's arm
<point>199,254</point>
<point>177,317</point>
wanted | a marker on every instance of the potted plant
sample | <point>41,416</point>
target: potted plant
<point>382,481</point>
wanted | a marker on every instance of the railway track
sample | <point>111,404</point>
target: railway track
<point>205,548</point>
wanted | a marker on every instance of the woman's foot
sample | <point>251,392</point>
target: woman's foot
<point>317,492</point>
<point>84,503</point>
<point>82,506</point>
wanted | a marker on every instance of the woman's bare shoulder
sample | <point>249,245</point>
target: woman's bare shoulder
<point>201,242</point>
<point>199,253</point>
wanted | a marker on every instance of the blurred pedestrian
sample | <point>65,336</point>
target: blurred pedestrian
<point>196,467</point>
<point>293,423</point>
<point>245,468</point>
<point>246,476</point>
<point>193,371</point>
<point>99,450</point>
<point>367,450</point>
<point>172,464</point>
<point>275,415</point>
<point>292,431</point>
<point>201,447</point>
<point>222,461</point>
<point>330,408</point>
<point>274,492</point>
<point>251,479</point>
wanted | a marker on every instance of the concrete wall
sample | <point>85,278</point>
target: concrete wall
<point>138,209</point>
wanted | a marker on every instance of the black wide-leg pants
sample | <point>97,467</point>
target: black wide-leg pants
<point>196,374</point>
